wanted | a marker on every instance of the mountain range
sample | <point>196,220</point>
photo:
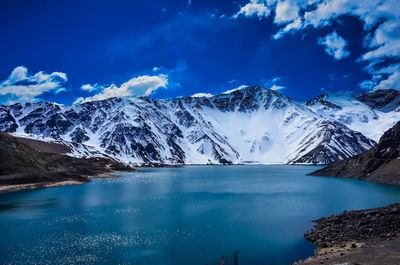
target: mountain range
<point>247,125</point>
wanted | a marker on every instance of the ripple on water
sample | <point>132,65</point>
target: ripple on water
<point>71,247</point>
<point>179,216</point>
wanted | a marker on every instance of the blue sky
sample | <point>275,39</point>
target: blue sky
<point>75,51</point>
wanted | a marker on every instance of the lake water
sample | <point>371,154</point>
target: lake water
<point>189,215</point>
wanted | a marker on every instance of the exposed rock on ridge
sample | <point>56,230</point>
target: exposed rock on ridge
<point>249,125</point>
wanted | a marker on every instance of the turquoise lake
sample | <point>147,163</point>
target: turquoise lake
<point>188,215</point>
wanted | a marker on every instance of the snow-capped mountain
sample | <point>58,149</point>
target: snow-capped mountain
<point>371,113</point>
<point>249,125</point>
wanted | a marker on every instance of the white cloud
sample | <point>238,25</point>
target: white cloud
<point>20,86</point>
<point>275,79</point>
<point>91,88</point>
<point>80,100</point>
<point>393,77</point>
<point>272,83</point>
<point>202,95</point>
<point>276,87</point>
<point>367,84</point>
<point>156,69</point>
<point>254,8</point>
<point>61,89</point>
<point>138,86</point>
<point>296,24</point>
<point>334,45</point>
<point>381,20</point>
<point>232,90</point>
<point>286,11</point>
<point>386,41</point>
<point>392,82</point>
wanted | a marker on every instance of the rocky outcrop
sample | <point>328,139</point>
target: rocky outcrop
<point>20,164</point>
<point>383,99</point>
<point>357,237</point>
<point>380,164</point>
<point>356,226</point>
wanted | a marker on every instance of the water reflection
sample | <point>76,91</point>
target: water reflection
<point>9,206</point>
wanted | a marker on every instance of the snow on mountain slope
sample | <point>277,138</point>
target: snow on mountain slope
<point>371,113</point>
<point>245,122</point>
<point>264,126</point>
<point>250,125</point>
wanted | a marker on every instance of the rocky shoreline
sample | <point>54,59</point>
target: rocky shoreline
<point>367,237</point>
<point>34,186</point>
<point>59,181</point>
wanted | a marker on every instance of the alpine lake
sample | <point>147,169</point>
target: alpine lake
<point>184,215</point>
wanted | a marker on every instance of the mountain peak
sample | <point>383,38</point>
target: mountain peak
<point>255,88</point>
<point>384,99</point>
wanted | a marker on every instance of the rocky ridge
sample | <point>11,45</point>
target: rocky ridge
<point>248,125</point>
<point>379,164</point>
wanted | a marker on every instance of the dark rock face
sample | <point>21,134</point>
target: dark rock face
<point>7,121</point>
<point>322,99</point>
<point>342,136</point>
<point>379,164</point>
<point>384,100</point>
<point>356,226</point>
<point>21,164</point>
<point>79,135</point>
